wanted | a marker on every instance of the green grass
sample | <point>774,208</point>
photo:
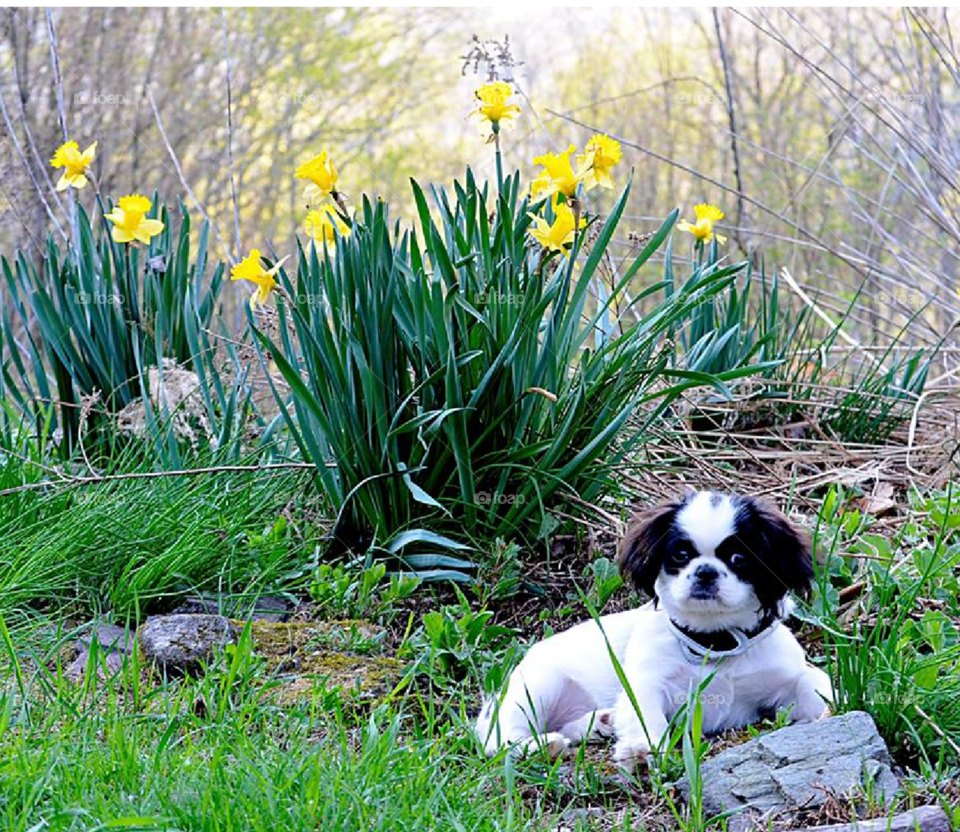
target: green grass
<point>129,544</point>
<point>219,753</point>
<point>78,764</point>
<point>894,650</point>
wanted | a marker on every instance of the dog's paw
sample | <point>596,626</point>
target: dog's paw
<point>554,744</point>
<point>811,712</point>
<point>603,726</point>
<point>630,750</point>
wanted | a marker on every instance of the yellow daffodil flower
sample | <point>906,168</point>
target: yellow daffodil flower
<point>494,103</point>
<point>320,224</point>
<point>322,176</point>
<point>74,164</point>
<point>250,269</point>
<point>560,234</point>
<point>598,158</point>
<point>558,176</point>
<point>702,229</point>
<point>129,221</point>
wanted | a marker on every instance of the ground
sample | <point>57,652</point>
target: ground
<point>353,724</point>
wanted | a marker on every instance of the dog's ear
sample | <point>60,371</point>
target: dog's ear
<point>641,550</point>
<point>786,551</point>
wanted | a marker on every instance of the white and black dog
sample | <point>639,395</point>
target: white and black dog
<point>720,569</point>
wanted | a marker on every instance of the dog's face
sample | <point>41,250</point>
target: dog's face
<point>716,560</point>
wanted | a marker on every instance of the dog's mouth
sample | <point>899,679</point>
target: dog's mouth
<point>704,593</point>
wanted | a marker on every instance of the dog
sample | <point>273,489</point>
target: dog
<point>720,569</point>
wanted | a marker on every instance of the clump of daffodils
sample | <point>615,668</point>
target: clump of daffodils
<point>592,169</point>
<point>251,269</point>
<point>563,177</point>
<point>74,164</point>
<point>324,221</point>
<point>494,104</point>
<point>130,222</point>
<point>702,229</point>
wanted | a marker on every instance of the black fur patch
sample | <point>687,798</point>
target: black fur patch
<point>765,550</point>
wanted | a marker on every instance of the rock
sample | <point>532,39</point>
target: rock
<point>307,657</point>
<point>175,400</point>
<point>921,819</point>
<point>109,637</point>
<point>798,766</point>
<point>270,608</point>
<point>358,678</point>
<point>108,663</point>
<point>113,643</point>
<point>181,643</point>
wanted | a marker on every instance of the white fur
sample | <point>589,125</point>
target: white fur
<point>566,688</point>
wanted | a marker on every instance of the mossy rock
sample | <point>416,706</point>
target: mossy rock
<point>359,679</point>
<point>305,658</point>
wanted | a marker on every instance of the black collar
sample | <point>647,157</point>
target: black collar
<point>724,641</point>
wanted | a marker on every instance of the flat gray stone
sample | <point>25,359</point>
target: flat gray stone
<point>109,637</point>
<point>921,819</point>
<point>798,767</point>
<point>271,608</point>
<point>108,663</point>
<point>182,643</point>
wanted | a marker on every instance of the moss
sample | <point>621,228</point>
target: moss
<point>276,641</point>
<point>358,678</point>
<point>298,656</point>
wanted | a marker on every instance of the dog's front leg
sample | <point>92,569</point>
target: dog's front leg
<point>813,696</point>
<point>636,737</point>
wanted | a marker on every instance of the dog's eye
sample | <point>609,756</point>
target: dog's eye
<point>736,559</point>
<point>680,555</point>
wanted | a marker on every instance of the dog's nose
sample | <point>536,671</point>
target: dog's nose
<point>705,574</point>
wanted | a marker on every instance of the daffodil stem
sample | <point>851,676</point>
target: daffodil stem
<point>575,204</point>
<point>499,156</point>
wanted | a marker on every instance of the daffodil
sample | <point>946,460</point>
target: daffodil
<point>558,176</point>
<point>265,279</point>
<point>74,164</point>
<point>558,235</point>
<point>598,158</point>
<point>320,225</point>
<point>322,177</point>
<point>129,220</point>
<point>495,106</point>
<point>702,229</point>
